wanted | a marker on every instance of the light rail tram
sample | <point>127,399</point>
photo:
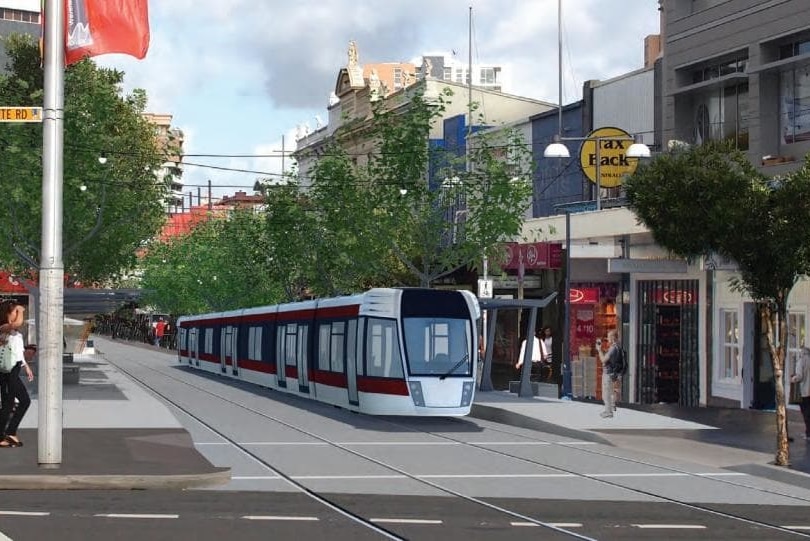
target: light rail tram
<point>388,351</point>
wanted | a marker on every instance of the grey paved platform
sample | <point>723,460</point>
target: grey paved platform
<point>115,435</point>
<point>738,439</point>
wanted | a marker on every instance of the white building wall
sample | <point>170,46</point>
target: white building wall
<point>23,5</point>
<point>627,102</point>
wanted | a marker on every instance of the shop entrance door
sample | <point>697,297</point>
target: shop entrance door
<point>667,349</point>
<point>668,353</point>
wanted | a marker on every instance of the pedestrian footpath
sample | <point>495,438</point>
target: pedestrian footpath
<point>737,439</point>
<point>115,435</point>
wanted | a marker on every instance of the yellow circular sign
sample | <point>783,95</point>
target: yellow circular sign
<point>604,153</point>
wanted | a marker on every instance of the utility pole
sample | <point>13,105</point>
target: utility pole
<point>283,154</point>
<point>210,201</point>
<point>51,266</point>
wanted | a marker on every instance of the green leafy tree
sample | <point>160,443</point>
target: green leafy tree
<point>434,229</point>
<point>100,200</point>
<point>221,265</point>
<point>711,199</point>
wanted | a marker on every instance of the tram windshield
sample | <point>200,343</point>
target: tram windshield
<point>436,346</point>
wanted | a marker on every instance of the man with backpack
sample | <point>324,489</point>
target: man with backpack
<point>613,367</point>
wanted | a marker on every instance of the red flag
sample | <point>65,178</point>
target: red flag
<point>96,27</point>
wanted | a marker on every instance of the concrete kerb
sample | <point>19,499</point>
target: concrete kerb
<point>502,416</point>
<point>114,482</point>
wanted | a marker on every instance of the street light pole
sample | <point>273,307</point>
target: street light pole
<point>51,266</point>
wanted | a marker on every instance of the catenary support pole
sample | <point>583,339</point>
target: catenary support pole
<point>51,266</point>
<point>566,345</point>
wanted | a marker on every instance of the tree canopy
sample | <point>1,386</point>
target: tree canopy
<point>100,236</point>
<point>382,222</point>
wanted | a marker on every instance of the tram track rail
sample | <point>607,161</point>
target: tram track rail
<point>450,491</point>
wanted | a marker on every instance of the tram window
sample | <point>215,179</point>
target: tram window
<point>336,350</point>
<point>290,343</point>
<point>382,349</point>
<point>209,341</point>
<point>255,343</point>
<point>324,331</point>
<point>226,339</point>
<point>182,339</point>
<point>434,346</point>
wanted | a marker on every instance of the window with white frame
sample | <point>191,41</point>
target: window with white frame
<point>487,76</point>
<point>797,325</point>
<point>729,345</point>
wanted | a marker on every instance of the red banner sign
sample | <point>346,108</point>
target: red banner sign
<point>533,255</point>
<point>584,295</point>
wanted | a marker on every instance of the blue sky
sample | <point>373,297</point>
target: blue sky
<point>237,74</point>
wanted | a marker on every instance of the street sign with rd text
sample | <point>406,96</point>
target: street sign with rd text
<point>20,114</point>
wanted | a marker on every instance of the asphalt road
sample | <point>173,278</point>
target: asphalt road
<point>217,515</point>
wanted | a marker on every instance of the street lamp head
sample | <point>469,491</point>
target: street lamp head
<point>638,149</point>
<point>556,149</point>
<point>403,191</point>
<point>102,159</point>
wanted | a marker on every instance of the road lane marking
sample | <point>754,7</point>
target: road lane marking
<point>133,515</point>
<point>669,526</point>
<point>665,474</point>
<point>799,528</point>
<point>552,524</point>
<point>25,513</point>
<point>404,521</point>
<point>272,517</point>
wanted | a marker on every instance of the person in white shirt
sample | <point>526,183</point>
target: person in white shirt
<point>537,351</point>
<point>11,388</point>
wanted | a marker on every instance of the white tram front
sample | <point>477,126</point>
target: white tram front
<point>388,351</point>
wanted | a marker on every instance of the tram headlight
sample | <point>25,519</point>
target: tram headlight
<point>467,393</point>
<point>416,393</point>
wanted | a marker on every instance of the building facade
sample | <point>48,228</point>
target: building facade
<point>170,140</point>
<point>18,17</point>
<point>739,71</point>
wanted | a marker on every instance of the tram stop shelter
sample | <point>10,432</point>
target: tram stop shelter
<point>492,307</point>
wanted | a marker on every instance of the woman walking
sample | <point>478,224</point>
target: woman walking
<point>12,388</point>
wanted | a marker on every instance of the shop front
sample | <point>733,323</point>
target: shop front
<point>667,348</point>
<point>592,315</point>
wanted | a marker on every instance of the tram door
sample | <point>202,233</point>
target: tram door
<point>193,349</point>
<point>302,345</point>
<point>224,348</point>
<point>351,363</point>
<point>234,350</point>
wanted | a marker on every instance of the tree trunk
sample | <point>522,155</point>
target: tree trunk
<point>777,348</point>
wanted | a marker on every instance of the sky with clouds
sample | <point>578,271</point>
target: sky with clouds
<point>237,74</point>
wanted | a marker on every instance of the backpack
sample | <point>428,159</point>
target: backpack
<point>7,361</point>
<point>619,367</point>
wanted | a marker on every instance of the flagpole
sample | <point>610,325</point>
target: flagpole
<point>51,266</point>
